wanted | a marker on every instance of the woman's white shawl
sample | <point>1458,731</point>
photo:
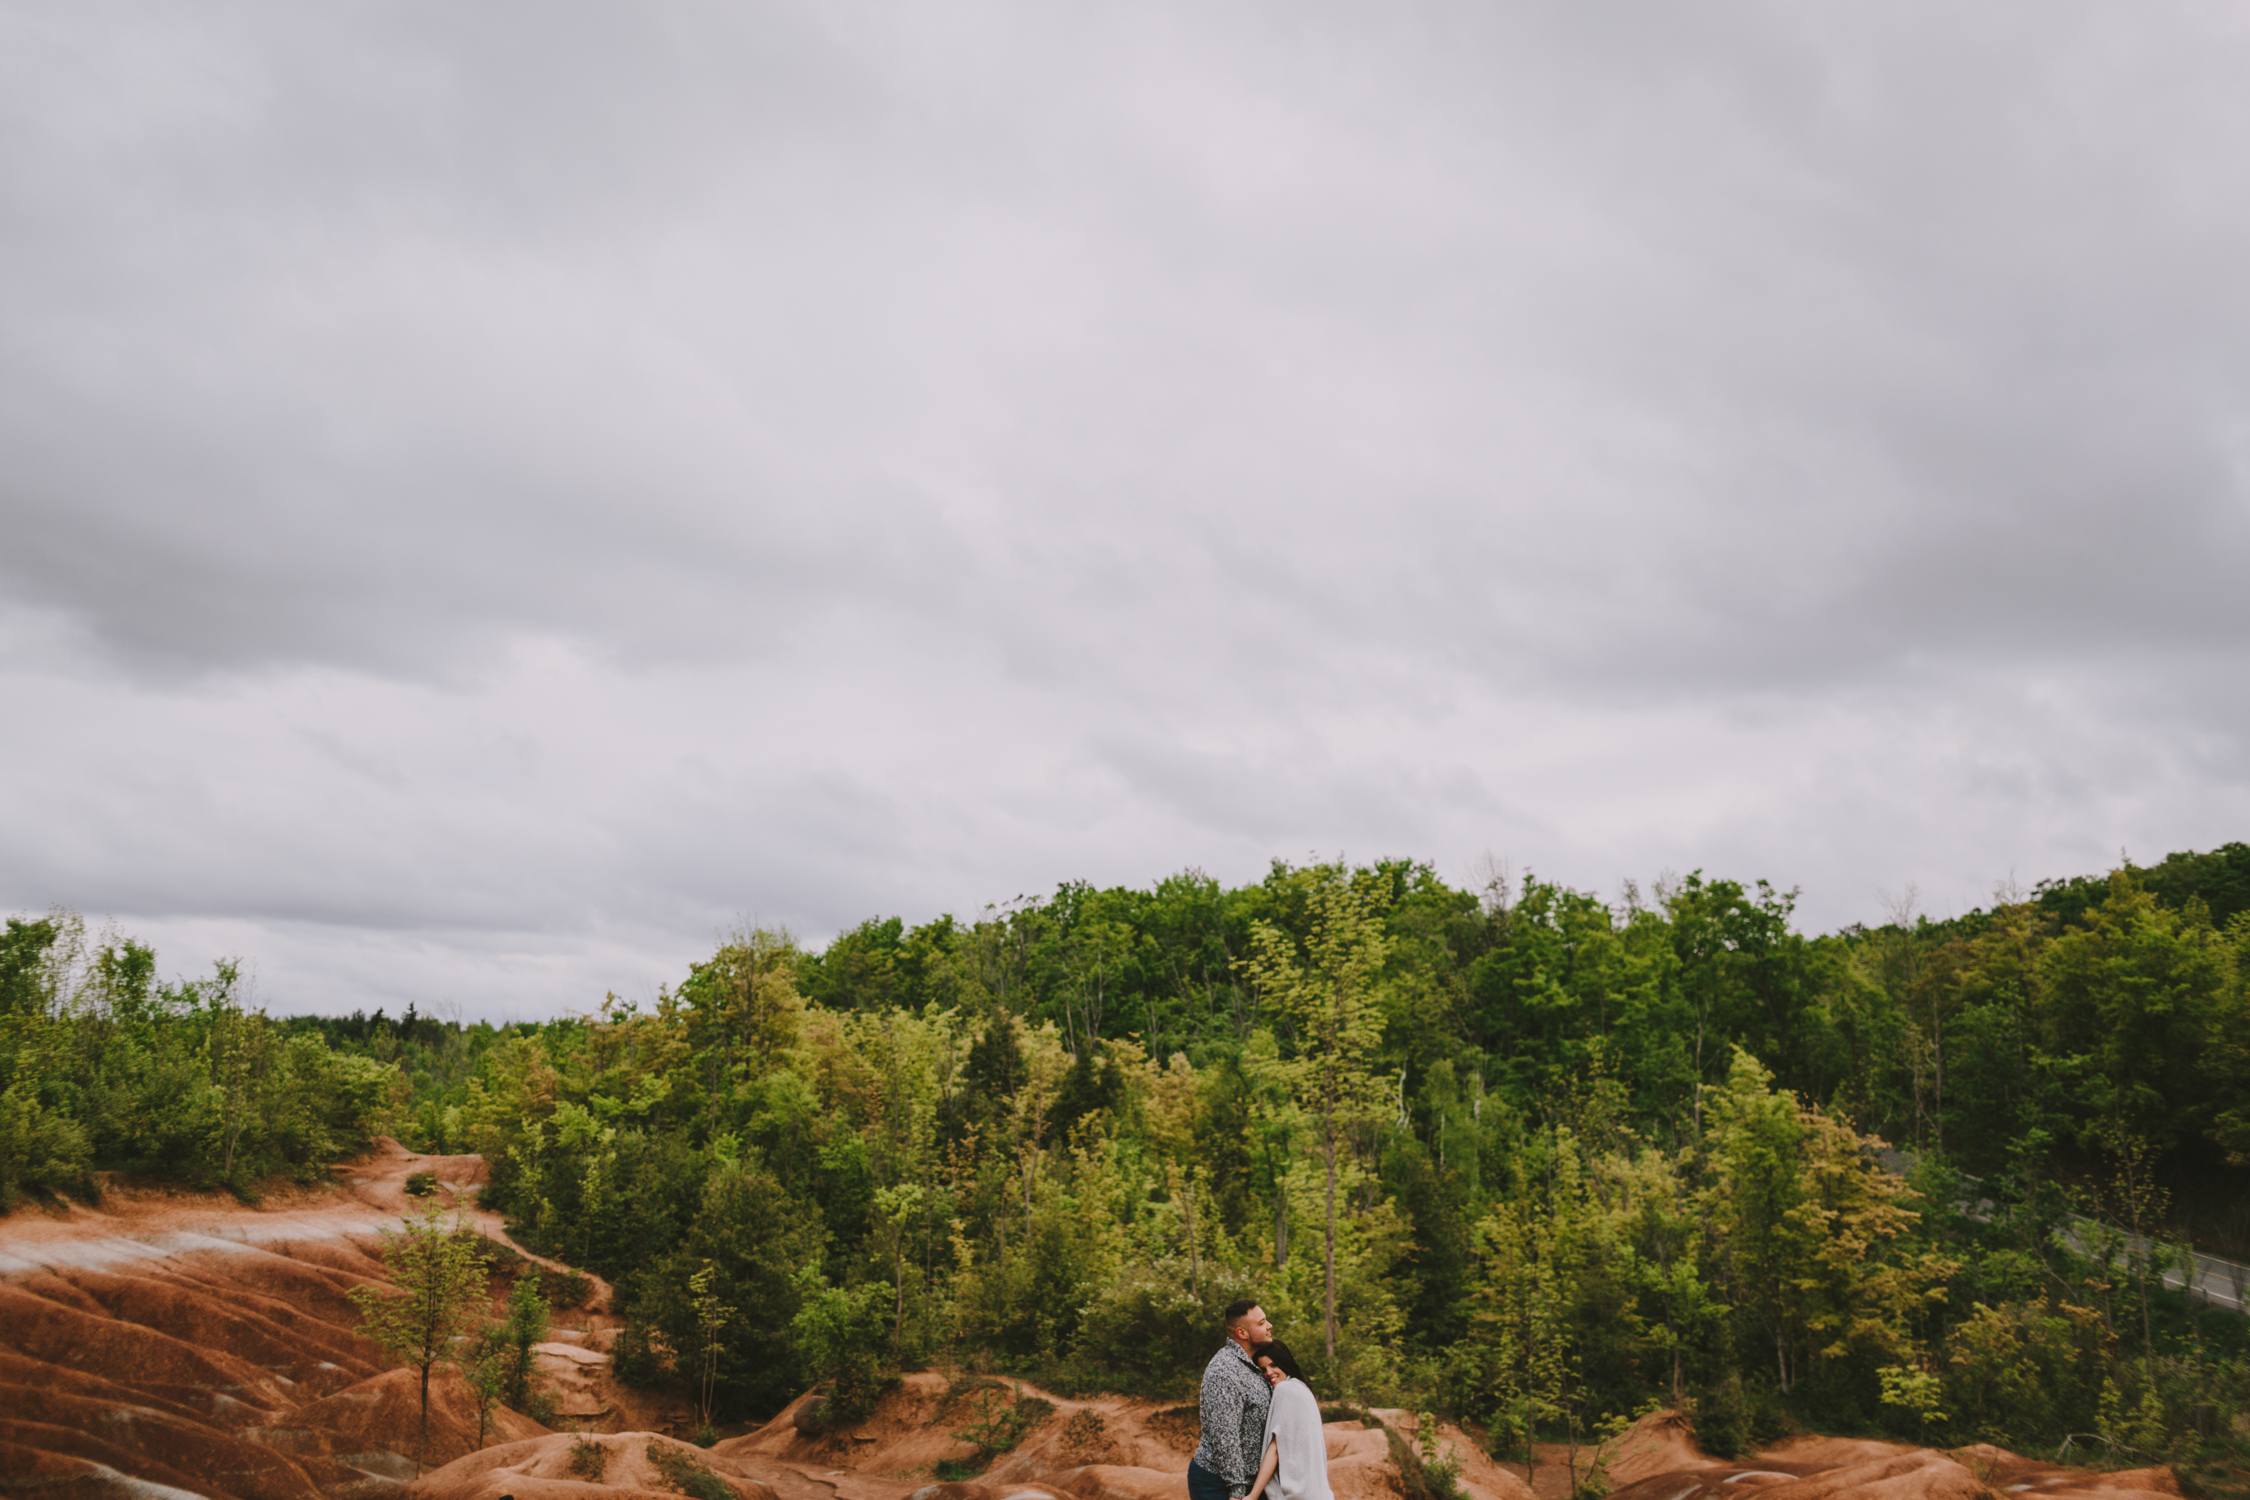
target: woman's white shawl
<point>1293,1421</point>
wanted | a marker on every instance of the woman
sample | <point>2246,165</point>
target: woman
<point>1295,1449</point>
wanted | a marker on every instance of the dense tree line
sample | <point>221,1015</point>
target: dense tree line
<point>102,1066</point>
<point>1533,1157</point>
<point>1549,1157</point>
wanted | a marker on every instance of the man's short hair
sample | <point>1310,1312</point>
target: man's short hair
<point>1237,1311</point>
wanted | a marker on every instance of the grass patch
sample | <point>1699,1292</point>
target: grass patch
<point>2219,1471</point>
<point>1424,1472</point>
<point>1085,1437</point>
<point>997,1418</point>
<point>588,1458</point>
<point>683,1473</point>
<point>564,1289</point>
<point>994,1417</point>
<point>420,1184</point>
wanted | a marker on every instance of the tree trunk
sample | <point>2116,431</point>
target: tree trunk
<point>898,1318</point>
<point>1195,1262</point>
<point>1329,1150</point>
<point>1937,1074</point>
<point>422,1444</point>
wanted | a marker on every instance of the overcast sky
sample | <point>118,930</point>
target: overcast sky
<point>495,494</point>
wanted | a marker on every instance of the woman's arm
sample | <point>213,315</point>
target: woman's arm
<point>1266,1467</point>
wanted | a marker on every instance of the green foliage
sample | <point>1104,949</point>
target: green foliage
<point>487,1371</point>
<point>589,1457</point>
<point>683,1473</point>
<point>1723,1418</point>
<point>711,1318</point>
<point>995,1417</point>
<point>436,1291</point>
<point>41,1150</point>
<point>840,1339</point>
<point>747,1243</point>
<point>104,1067</point>
<point>524,1327</point>
<point>1521,1154</point>
<point>1149,1333</point>
<point>1425,1471</point>
<point>1322,984</point>
<point>637,1359</point>
<point>421,1184</point>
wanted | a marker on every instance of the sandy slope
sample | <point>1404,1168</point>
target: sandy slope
<point>1103,1448</point>
<point>1657,1460</point>
<point>188,1341</point>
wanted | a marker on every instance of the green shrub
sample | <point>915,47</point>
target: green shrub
<point>840,1338</point>
<point>1150,1334</point>
<point>524,1327</point>
<point>40,1151</point>
<point>421,1184</point>
<point>637,1360</point>
<point>1424,1472</point>
<point>588,1458</point>
<point>1721,1419</point>
<point>755,1236</point>
<point>683,1473</point>
<point>996,1421</point>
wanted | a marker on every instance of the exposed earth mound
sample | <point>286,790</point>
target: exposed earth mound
<point>1657,1460</point>
<point>562,1465</point>
<point>1103,1448</point>
<point>170,1345</point>
<point>190,1342</point>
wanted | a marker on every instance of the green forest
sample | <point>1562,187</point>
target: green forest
<point>1521,1155</point>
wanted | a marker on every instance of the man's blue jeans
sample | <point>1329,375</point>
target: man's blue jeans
<point>1203,1484</point>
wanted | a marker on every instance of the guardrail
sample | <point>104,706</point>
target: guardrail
<point>2210,1279</point>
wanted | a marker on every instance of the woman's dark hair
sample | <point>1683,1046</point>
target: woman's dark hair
<point>1283,1360</point>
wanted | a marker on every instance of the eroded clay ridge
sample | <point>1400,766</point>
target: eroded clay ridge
<point>184,1343</point>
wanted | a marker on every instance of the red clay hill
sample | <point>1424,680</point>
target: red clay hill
<point>169,1344</point>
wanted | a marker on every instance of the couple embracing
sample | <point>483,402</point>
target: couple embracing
<point>1261,1424</point>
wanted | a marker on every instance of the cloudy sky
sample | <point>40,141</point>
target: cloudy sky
<point>495,494</point>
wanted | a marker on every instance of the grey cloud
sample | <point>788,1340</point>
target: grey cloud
<point>525,470</point>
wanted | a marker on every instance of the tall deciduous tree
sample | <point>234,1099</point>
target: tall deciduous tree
<point>1326,988</point>
<point>436,1293</point>
<point>2133,992</point>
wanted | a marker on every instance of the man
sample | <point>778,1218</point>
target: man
<point>1235,1397</point>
